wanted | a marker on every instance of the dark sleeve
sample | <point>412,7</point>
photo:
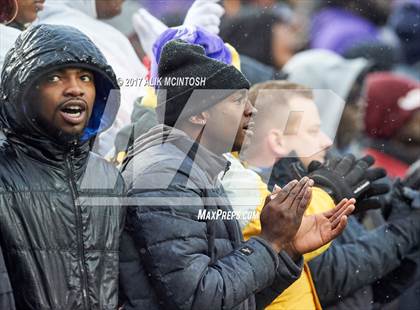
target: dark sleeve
<point>346,267</point>
<point>6,294</point>
<point>173,248</point>
<point>287,273</point>
<point>135,289</point>
<point>396,282</point>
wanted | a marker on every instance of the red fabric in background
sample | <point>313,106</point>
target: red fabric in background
<point>383,115</point>
<point>394,167</point>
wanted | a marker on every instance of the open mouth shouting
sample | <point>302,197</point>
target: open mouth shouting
<point>74,112</point>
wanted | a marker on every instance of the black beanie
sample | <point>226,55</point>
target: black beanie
<point>184,68</point>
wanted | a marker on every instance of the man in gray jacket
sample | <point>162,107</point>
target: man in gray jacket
<point>183,248</point>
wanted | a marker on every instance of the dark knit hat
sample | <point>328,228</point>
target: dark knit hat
<point>190,82</point>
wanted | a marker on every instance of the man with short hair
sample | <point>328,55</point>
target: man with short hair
<point>183,247</point>
<point>288,124</point>
<point>347,274</point>
<point>59,234</point>
<point>247,190</point>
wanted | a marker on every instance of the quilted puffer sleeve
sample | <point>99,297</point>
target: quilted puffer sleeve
<point>6,295</point>
<point>173,246</point>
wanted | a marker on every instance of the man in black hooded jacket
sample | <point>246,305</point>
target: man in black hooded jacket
<point>58,230</point>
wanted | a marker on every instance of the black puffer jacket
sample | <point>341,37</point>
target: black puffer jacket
<point>172,259</point>
<point>7,300</point>
<point>59,235</point>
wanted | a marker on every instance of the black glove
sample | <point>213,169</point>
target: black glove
<point>297,170</point>
<point>402,200</point>
<point>350,178</point>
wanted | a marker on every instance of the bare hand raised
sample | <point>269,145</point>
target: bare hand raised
<point>282,214</point>
<point>319,229</point>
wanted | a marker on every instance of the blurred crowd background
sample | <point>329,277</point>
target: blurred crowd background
<point>373,64</point>
<point>273,31</point>
<point>366,52</point>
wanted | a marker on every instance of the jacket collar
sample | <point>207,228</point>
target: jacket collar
<point>50,153</point>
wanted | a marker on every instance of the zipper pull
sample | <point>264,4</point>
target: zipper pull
<point>226,169</point>
<point>73,148</point>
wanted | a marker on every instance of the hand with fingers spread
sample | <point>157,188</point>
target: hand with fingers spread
<point>282,214</point>
<point>347,177</point>
<point>319,229</point>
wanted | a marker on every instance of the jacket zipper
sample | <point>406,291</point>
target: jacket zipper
<point>227,167</point>
<point>79,227</point>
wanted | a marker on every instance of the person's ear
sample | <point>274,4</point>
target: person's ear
<point>199,119</point>
<point>276,142</point>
